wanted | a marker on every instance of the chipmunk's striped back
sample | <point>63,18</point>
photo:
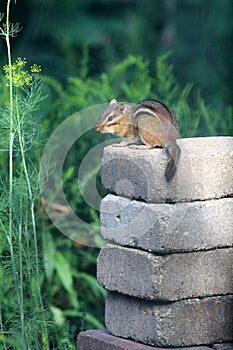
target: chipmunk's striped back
<point>156,109</point>
<point>156,123</point>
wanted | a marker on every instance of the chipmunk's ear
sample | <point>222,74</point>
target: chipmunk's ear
<point>112,102</point>
<point>121,107</point>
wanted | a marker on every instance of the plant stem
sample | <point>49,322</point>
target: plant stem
<point>11,136</point>
<point>11,144</point>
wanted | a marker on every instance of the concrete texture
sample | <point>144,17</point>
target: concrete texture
<point>101,340</point>
<point>182,323</point>
<point>204,171</point>
<point>166,228</point>
<point>170,277</point>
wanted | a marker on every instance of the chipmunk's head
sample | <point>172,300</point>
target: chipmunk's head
<point>111,118</point>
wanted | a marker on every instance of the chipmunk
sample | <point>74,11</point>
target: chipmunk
<point>146,125</point>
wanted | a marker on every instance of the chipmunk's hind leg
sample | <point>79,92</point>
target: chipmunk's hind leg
<point>147,135</point>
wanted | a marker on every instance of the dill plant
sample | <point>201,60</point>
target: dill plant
<point>23,319</point>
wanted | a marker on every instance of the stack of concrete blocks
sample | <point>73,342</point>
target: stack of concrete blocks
<point>168,265</point>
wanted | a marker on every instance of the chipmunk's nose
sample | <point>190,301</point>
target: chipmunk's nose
<point>99,127</point>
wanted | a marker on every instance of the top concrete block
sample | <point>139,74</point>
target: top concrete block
<point>205,171</point>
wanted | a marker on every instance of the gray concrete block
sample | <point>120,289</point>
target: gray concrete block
<point>182,323</point>
<point>170,277</point>
<point>166,228</point>
<point>204,171</point>
<point>99,339</point>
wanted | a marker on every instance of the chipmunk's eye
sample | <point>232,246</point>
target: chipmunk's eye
<point>110,118</point>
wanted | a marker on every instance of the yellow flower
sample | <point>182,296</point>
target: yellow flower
<point>20,62</point>
<point>35,68</point>
<point>20,76</point>
<point>6,68</point>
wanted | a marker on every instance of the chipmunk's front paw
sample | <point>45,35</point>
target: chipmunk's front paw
<point>133,146</point>
<point>137,146</point>
<point>120,144</point>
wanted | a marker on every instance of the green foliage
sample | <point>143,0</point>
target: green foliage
<point>132,81</point>
<point>114,28</point>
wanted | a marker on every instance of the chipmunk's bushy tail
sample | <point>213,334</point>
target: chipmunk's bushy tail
<point>173,151</point>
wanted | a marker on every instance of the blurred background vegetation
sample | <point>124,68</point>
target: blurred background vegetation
<point>177,51</point>
<point>199,33</point>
